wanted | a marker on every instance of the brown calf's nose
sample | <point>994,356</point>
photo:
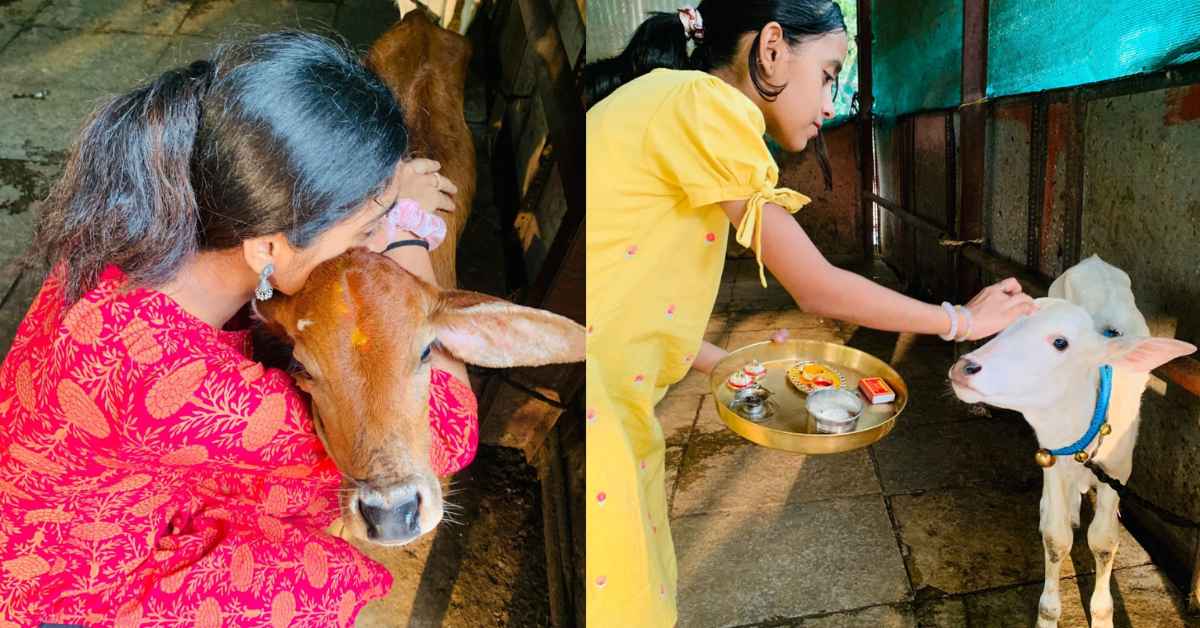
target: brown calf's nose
<point>393,517</point>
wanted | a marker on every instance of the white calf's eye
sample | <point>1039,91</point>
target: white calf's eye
<point>1061,343</point>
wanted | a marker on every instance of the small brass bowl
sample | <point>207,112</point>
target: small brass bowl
<point>791,427</point>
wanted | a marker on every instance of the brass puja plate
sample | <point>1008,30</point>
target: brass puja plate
<point>789,426</point>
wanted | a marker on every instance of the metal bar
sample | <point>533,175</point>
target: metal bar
<point>909,172</point>
<point>905,215</point>
<point>866,127</point>
<point>1184,372</point>
<point>997,266</point>
<point>1187,74</point>
<point>951,173</point>
<point>973,132</point>
<point>973,122</point>
<point>1038,143</point>
<point>1181,372</point>
<point>1073,225</point>
<point>974,50</point>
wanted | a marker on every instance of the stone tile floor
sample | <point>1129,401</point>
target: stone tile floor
<point>936,525</point>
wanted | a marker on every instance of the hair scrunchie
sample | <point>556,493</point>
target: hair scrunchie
<point>693,24</point>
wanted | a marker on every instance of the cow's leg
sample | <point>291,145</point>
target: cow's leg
<point>1103,539</point>
<point>1055,526</point>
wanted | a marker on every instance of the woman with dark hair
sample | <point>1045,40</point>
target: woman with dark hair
<point>675,152</point>
<point>150,471</point>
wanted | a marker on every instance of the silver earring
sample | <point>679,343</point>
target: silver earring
<point>264,289</point>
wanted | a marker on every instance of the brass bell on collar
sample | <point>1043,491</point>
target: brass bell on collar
<point>1081,456</point>
<point>1044,458</point>
<point>1105,429</point>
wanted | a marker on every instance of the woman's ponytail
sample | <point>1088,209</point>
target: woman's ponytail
<point>126,194</point>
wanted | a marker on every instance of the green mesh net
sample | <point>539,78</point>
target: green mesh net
<point>1035,46</point>
<point>916,55</point>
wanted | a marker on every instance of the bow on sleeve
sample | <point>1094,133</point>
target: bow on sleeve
<point>750,228</point>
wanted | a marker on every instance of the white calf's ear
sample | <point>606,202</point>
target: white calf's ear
<point>1143,355</point>
<point>1061,288</point>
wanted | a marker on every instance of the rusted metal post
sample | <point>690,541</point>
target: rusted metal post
<point>866,128</point>
<point>973,122</point>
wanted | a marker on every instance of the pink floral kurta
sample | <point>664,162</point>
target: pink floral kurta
<point>152,474</point>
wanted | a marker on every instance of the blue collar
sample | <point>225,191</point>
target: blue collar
<point>1098,416</point>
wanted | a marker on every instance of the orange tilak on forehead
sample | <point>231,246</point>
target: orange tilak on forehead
<point>358,338</point>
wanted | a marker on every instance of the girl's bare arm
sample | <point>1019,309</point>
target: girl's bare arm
<point>826,290</point>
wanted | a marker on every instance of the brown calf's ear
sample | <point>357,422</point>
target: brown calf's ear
<point>275,314</point>
<point>491,332</point>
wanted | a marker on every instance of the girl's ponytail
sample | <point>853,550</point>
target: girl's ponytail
<point>659,42</point>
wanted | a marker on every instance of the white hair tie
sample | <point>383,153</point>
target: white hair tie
<point>693,25</point>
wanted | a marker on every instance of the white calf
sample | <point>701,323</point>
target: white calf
<point>1106,293</point>
<point>1047,366</point>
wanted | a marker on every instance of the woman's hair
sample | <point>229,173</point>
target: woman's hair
<point>661,41</point>
<point>286,132</point>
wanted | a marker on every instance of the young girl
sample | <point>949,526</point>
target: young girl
<point>150,471</point>
<point>675,152</point>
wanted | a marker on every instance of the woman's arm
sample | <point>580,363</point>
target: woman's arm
<point>823,289</point>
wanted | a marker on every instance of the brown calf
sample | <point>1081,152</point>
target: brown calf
<point>359,327</point>
<point>425,66</point>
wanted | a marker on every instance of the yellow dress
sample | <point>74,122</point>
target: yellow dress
<point>662,152</point>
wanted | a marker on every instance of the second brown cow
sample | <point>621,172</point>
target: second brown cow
<point>425,66</point>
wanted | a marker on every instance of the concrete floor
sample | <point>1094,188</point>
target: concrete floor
<point>59,58</point>
<point>936,525</point>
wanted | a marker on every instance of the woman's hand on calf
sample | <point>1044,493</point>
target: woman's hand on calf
<point>421,180</point>
<point>994,308</point>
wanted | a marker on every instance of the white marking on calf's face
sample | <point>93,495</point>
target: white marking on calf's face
<point>1034,362</point>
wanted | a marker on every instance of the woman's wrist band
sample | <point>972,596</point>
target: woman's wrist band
<point>399,243</point>
<point>949,309</point>
<point>970,323</point>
